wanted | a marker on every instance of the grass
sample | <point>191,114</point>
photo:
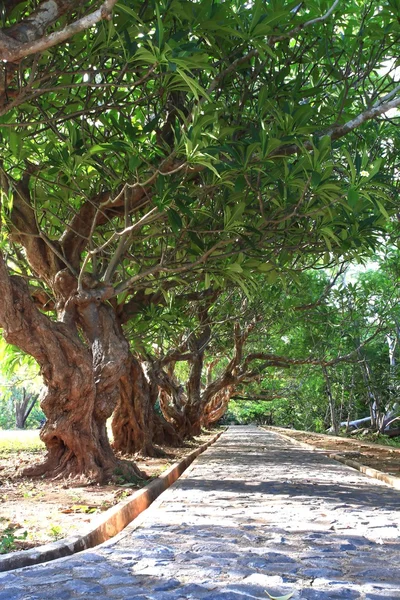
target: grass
<point>382,439</point>
<point>20,440</point>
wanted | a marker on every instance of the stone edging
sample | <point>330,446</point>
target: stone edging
<point>114,520</point>
<point>369,471</point>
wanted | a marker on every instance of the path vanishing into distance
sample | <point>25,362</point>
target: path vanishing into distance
<point>254,514</point>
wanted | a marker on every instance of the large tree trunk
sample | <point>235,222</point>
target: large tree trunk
<point>133,423</point>
<point>136,426</point>
<point>82,380</point>
<point>217,407</point>
<point>191,410</point>
<point>164,432</point>
<point>178,409</point>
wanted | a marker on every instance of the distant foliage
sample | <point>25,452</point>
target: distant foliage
<point>245,412</point>
<point>9,399</point>
<point>19,389</point>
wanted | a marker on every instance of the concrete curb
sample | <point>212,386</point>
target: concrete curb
<point>369,471</point>
<point>114,520</point>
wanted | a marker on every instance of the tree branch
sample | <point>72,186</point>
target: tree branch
<point>271,42</point>
<point>12,51</point>
<point>338,131</point>
<point>325,293</point>
<point>280,38</point>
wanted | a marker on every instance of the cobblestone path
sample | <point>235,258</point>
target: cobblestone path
<point>253,513</point>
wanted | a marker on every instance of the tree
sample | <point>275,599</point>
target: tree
<point>27,34</point>
<point>19,389</point>
<point>352,321</point>
<point>243,341</point>
<point>23,408</point>
<point>165,151</point>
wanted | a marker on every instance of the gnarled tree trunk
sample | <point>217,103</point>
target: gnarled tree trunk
<point>178,408</point>
<point>136,426</point>
<point>132,423</point>
<point>82,379</point>
<point>217,406</point>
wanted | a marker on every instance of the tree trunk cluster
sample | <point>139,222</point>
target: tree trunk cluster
<point>90,375</point>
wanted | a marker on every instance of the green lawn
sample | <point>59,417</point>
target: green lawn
<point>20,439</point>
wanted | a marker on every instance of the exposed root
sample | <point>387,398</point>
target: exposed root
<point>128,471</point>
<point>88,473</point>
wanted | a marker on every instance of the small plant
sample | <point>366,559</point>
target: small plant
<point>124,494</point>
<point>9,538</point>
<point>75,497</point>
<point>56,532</point>
<point>83,508</point>
<point>121,478</point>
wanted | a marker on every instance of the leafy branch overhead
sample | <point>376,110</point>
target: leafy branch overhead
<point>28,35</point>
<point>162,149</point>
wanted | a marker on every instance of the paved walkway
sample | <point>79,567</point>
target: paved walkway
<point>253,513</point>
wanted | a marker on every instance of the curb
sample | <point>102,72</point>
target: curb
<point>369,471</point>
<point>114,520</point>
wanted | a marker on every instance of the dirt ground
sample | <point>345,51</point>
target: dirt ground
<point>37,511</point>
<point>382,458</point>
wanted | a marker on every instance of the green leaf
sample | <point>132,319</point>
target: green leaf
<point>315,179</point>
<point>14,140</point>
<point>324,144</point>
<point>159,29</point>
<point>235,267</point>
<point>257,8</point>
<point>382,209</point>
<point>128,11</point>
<point>353,197</point>
<point>193,85</point>
<point>351,165</point>
<point>174,220</point>
<point>235,216</point>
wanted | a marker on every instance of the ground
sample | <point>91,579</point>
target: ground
<point>380,457</point>
<point>36,511</point>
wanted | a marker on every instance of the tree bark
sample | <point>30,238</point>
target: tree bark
<point>218,406</point>
<point>133,419</point>
<point>136,426</point>
<point>82,380</point>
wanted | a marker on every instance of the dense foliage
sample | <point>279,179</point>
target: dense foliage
<point>359,319</point>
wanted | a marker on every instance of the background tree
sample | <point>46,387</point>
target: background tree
<point>19,385</point>
<point>354,320</point>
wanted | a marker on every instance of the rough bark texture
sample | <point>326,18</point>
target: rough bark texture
<point>136,426</point>
<point>133,422</point>
<point>218,406</point>
<point>196,406</point>
<point>81,379</point>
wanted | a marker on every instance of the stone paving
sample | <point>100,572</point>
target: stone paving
<point>254,514</point>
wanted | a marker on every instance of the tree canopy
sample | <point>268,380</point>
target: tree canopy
<point>162,152</point>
